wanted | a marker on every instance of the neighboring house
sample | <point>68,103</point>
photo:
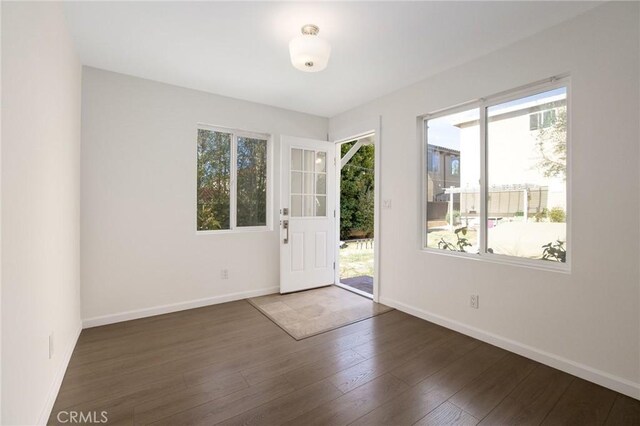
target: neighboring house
<point>443,165</point>
<point>512,152</point>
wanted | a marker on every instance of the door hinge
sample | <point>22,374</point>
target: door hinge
<point>334,266</point>
<point>334,213</point>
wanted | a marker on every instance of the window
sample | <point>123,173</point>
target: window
<point>308,183</point>
<point>455,166</point>
<point>434,162</point>
<point>453,197</point>
<point>232,182</point>
<point>251,206</point>
<point>508,199</point>
<point>541,120</point>
<point>214,180</point>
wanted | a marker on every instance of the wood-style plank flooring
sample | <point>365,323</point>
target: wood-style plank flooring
<point>228,364</point>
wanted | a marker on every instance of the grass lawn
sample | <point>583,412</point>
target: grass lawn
<point>355,262</point>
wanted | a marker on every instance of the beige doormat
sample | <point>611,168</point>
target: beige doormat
<point>307,313</point>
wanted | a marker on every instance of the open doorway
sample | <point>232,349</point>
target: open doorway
<point>356,214</point>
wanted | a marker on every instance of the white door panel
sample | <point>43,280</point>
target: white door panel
<point>307,244</point>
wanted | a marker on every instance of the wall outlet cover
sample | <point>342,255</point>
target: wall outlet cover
<point>474,301</point>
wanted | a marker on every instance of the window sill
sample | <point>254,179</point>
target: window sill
<point>540,265</point>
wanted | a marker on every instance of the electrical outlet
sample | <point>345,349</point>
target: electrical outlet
<point>474,301</point>
<point>224,274</point>
<point>386,204</point>
<point>51,346</point>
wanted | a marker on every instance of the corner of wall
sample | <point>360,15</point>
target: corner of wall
<point>58,377</point>
<point>43,268</point>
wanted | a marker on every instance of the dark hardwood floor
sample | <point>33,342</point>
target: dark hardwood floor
<point>228,364</point>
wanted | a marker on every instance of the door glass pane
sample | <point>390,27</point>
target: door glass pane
<point>251,182</point>
<point>321,205</point>
<point>296,182</point>
<point>321,183</point>
<point>526,173</point>
<point>296,205</point>
<point>296,159</point>
<point>321,161</point>
<point>309,205</point>
<point>214,164</point>
<point>309,161</point>
<point>308,183</point>
<point>453,181</point>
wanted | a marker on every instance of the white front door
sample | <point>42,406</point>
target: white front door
<point>307,217</point>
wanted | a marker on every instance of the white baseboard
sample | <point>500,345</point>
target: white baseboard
<point>57,381</point>
<point>599,377</point>
<point>174,307</point>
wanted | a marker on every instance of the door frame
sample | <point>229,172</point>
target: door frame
<point>346,134</point>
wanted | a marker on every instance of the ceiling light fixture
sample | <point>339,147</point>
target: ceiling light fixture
<point>309,52</point>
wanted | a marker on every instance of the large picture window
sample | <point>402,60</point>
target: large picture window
<point>232,180</point>
<point>506,196</point>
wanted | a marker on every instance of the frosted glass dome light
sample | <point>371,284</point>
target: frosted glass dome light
<point>309,53</point>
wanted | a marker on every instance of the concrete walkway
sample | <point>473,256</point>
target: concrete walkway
<point>362,283</point>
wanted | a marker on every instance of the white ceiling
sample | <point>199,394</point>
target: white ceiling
<point>240,49</point>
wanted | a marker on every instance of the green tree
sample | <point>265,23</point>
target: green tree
<point>252,182</point>
<point>357,192</point>
<point>213,180</point>
<point>552,146</point>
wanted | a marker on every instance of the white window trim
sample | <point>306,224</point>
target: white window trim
<point>233,228</point>
<point>482,104</point>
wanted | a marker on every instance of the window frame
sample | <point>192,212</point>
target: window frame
<point>233,177</point>
<point>482,104</point>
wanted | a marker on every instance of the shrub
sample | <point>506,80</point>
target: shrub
<point>555,252</point>
<point>460,244</point>
<point>557,214</point>
<point>357,192</point>
<point>541,215</point>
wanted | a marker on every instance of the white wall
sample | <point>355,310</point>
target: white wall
<point>140,250</point>
<point>0,217</point>
<point>586,322</point>
<point>41,83</point>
